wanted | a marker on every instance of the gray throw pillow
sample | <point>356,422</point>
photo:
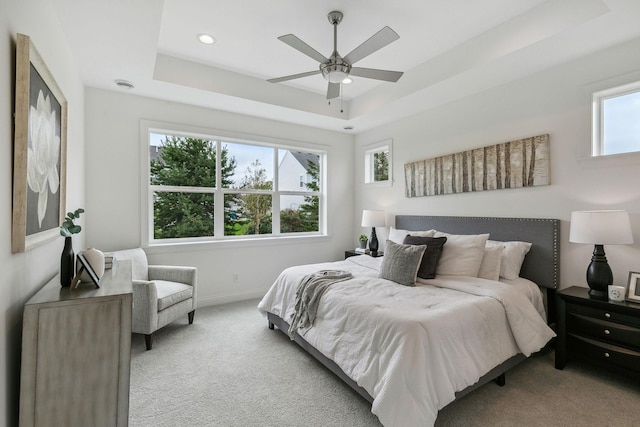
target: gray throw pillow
<point>431,255</point>
<point>400,263</point>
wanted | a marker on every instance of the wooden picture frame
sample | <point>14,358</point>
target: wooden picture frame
<point>633,287</point>
<point>40,152</point>
<point>85,266</point>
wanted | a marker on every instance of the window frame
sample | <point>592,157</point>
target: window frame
<point>220,137</point>
<point>598,99</point>
<point>369,152</point>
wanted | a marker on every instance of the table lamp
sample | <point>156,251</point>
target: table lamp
<point>373,219</point>
<point>606,227</point>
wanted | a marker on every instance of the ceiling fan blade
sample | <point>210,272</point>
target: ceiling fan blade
<point>374,43</point>
<point>370,73</point>
<point>333,91</point>
<point>293,76</point>
<point>301,46</point>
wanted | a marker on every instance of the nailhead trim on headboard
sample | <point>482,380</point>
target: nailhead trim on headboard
<point>541,264</point>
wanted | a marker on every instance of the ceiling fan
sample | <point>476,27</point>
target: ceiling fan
<point>337,68</point>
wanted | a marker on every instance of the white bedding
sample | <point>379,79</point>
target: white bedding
<point>412,348</point>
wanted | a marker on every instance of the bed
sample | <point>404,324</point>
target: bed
<point>411,350</point>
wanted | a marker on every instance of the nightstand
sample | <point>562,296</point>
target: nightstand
<point>347,254</point>
<point>604,332</point>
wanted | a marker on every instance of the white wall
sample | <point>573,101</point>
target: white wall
<point>114,187</point>
<point>555,101</point>
<point>23,274</point>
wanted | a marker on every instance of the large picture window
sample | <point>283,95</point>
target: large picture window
<point>214,188</point>
<point>616,120</point>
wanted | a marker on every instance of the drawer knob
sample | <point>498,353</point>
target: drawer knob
<point>606,355</point>
<point>607,315</point>
<point>606,332</point>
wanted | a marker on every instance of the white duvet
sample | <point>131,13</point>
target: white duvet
<point>412,348</point>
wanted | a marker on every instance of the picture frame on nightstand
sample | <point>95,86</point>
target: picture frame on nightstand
<point>633,287</point>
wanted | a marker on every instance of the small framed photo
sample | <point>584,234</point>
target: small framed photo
<point>85,266</point>
<point>633,292</point>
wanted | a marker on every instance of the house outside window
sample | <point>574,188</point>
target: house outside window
<point>616,120</point>
<point>210,188</point>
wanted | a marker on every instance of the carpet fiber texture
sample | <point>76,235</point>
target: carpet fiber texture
<point>228,369</point>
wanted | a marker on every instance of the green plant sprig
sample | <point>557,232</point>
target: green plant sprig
<point>363,238</point>
<point>68,228</point>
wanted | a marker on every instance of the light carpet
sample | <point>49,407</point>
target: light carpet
<point>229,369</point>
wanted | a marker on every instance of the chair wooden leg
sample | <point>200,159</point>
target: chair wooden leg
<point>148,339</point>
<point>191,314</point>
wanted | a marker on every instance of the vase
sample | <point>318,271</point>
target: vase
<point>363,244</point>
<point>67,263</point>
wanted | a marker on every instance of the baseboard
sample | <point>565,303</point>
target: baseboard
<point>231,297</point>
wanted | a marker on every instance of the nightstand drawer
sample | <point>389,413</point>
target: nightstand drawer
<point>604,314</point>
<point>603,330</point>
<point>606,354</point>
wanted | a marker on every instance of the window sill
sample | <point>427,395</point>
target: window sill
<point>387,183</point>
<point>158,248</point>
<point>611,160</point>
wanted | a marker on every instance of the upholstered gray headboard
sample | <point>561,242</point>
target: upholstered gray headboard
<point>541,265</point>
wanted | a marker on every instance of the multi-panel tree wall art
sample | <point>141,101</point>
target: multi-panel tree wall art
<point>513,164</point>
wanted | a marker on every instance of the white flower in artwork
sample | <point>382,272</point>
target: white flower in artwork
<point>44,152</point>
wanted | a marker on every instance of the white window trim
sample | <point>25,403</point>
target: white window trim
<point>148,126</point>
<point>598,93</point>
<point>367,156</point>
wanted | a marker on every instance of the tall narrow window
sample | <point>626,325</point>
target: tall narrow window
<point>616,120</point>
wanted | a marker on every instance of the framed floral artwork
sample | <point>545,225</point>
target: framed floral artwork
<point>40,151</point>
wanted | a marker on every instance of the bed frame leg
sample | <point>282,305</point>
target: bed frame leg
<point>501,380</point>
<point>271,326</point>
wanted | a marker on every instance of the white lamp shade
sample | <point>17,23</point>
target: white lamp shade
<point>372,218</point>
<point>609,227</point>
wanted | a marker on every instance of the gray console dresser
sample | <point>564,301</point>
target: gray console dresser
<point>76,353</point>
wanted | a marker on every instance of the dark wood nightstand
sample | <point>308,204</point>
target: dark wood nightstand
<point>604,332</point>
<point>347,254</point>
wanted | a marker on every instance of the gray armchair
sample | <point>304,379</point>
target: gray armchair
<point>161,293</point>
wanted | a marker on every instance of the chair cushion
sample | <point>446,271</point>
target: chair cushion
<point>170,293</point>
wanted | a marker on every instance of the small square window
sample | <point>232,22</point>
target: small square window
<point>616,120</point>
<point>377,163</point>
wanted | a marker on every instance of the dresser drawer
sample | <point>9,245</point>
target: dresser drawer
<point>606,354</point>
<point>604,314</point>
<point>603,330</point>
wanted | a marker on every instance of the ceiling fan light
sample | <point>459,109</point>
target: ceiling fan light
<point>337,76</point>
<point>335,73</point>
<point>347,81</point>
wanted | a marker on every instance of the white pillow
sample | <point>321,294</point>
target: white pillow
<point>462,254</point>
<point>513,254</point>
<point>491,260</point>
<point>397,235</point>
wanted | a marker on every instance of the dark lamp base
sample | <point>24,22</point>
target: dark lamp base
<point>593,293</point>
<point>373,242</point>
<point>599,275</point>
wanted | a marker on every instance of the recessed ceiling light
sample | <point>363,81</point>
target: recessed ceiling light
<point>206,38</point>
<point>347,81</point>
<point>124,84</point>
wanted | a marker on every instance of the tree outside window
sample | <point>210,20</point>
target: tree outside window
<point>184,189</point>
<point>381,166</point>
<point>189,163</point>
<point>377,163</point>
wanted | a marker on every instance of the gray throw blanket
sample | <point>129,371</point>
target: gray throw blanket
<point>308,294</point>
